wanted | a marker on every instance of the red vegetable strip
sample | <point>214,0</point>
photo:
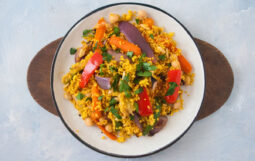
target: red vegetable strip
<point>185,65</point>
<point>144,105</point>
<point>90,68</point>
<point>173,76</point>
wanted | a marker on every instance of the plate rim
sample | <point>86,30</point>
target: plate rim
<point>52,80</point>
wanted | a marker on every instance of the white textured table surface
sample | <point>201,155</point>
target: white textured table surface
<point>28,132</point>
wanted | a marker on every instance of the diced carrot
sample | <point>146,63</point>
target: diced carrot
<point>125,45</point>
<point>185,65</point>
<point>110,135</point>
<point>148,21</point>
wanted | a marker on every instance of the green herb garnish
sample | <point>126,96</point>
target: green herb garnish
<point>137,20</point>
<point>115,112</point>
<point>124,87</point>
<point>86,32</point>
<point>115,82</point>
<point>95,47</point>
<point>100,98</point>
<point>72,51</point>
<point>172,86</point>
<point>151,36</point>
<point>130,54</point>
<point>112,69</point>
<point>118,124</point>
<point>116,31</point>
<point>139,90</point>
<point>80,96</point>
<point>127,94</point>
<point>136,107</point>
<point>162,57</point>
<point>88,99</point>
<point>144,74</point>
<point>147,130</point>
<point>107,56</point>
<point>103,49</point>
<point>131,117</point>
<point>113,101</point>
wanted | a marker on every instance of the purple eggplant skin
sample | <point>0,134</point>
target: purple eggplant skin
<point>159,125</point>
<point>134,35</point>
<point>117,55</point>
<point>103,82</point>
<point>137,122</point>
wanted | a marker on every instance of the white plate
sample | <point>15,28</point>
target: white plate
<point>133,147</point>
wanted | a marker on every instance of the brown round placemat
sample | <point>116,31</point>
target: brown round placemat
<point>219,77</point>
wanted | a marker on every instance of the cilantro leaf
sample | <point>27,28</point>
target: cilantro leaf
<point>112,69</point>
<point>103,49</point>
<point>147,130</point>
<point>88,99</point>
<point>130,54</point>
<point>115,82</point>
<point>152,68</point>
<point>113,101</point>
<point>127,94</point>
<point>107,56</point>
<point>80,96</point>
<point>172,86</point>
<point>118,124</point>
<point>72,51</point>
<point>116,31</point>
<point>100,98</point>
<point>139,90</point>
<point>162,57</point>
<point>86,32</point>
<point>136,107</point>
<point>95,47</point>
<point>115,112</point>
<point>151,36</point>
<point>144,74</point>
<point>137,20</point>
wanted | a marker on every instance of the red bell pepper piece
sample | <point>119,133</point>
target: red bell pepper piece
<point>144,105</point>
<point>173,76</point>
<point>90,68</point>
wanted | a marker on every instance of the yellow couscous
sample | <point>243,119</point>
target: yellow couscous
<point>127,76</point>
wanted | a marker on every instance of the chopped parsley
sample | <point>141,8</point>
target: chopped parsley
<point>130,54</point>
<point>115,112</point>
<point>95,47</point>
<point>100,98</point>
<point>72,51</point>
<point>86,32</point>
<point>172,86</point>
<point>107,57</point>
<point>80,96</point>
<point>124,87</point>
<point>144,74</point>
<point>139,90</point>
<point>88,99</point>
<point>137,20</point>
<point>115,82</point>
<point>136,107</point>
<point>147,130</point>
<point>151,36</point>
<point>162,57</point>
